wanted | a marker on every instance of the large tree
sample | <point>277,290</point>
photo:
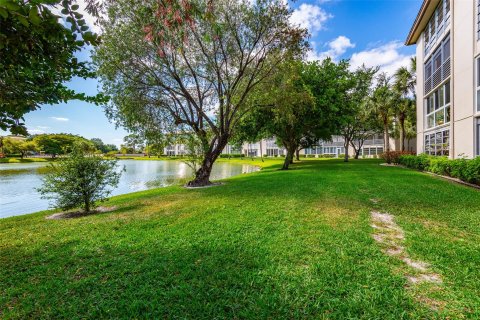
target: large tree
<point>354,116</point>
<point>303,104</point>
<point>61,143</point>
<point>37,57</point>
<point>191,63</point>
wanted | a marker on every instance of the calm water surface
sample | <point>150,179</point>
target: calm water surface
<point>19,180</point>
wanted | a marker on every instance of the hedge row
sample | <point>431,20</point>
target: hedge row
<point>464,169</point>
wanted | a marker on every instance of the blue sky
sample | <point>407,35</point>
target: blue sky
<point>365,31</point>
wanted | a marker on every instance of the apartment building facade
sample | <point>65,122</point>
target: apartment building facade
<point>372,147</point>
<point>447,36</point>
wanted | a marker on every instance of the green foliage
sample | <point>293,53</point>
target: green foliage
<point>228,156</point>
<point>300,105</point>
<point>394,156</point>
<point>421,162</point>
<point>104,148</point>
<point>80,180</point>
<point>18,146</point>
<point>467,170</point>
<point>37,57</point>
<point>59,144</point>
<point>190,66</point>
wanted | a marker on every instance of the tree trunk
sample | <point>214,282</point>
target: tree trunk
<point>345,145</point>
<point>202,176</point>
<point>261,151</point>
<point>86,203</point>
<point>357,154</point>
<point>288,157</point>
<point>386,137</point>
<point>297,154</point>
<point>402,133</point>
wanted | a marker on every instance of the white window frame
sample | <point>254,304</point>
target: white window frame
<point>439,26</point>
<point>427,142</point>
<point>444,107</point>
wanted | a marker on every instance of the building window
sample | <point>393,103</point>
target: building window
<point>371,151</point>
<point>438,106</point>
<point>438,143</point>
<point>437,24</point>
<point>437,68</point>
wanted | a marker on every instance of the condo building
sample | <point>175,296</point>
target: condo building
<point>372,147</point>
<point>447,38</point>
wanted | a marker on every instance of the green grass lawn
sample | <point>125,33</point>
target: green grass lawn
<point>24,160</point>
<point>274,244</point>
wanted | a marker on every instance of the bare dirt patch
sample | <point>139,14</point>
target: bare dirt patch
<point>391,238</point>
<point>78,214</point>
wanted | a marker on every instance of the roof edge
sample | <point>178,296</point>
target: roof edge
<point>416,30</point>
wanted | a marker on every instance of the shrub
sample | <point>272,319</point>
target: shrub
<point>111,154</point>
<point>421,162</point>
<point>228,156</point>
<point>440,165</point>
<point>463,169</point>
<point>394,156</point>
<point>310,156</point>
<point>80,180</point>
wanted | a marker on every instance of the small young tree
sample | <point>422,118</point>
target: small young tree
<point>80,180</point>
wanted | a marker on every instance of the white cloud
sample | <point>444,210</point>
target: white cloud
<point>35,131</point>
<point>310,16</point>
<point>336,48</point>
<point>386,56</point>
<point>60,119</point>
<point>38,130</point>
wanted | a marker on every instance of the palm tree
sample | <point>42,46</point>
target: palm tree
<point>404,86</point>
<point>382,102</point>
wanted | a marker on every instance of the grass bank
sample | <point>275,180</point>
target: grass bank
<point>24,160</point>
<point>273,244</point>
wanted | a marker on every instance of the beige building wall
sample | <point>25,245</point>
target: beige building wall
<point>420,97</point>
<point>463,84</point>
<point>465,48</point>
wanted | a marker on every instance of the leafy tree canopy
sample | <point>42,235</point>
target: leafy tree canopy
<point>37,51</point>
<point>190,65</point>
<point>302,104</point>
<point>58,144</point>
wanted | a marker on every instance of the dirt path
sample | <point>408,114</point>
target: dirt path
<point>390,236</point>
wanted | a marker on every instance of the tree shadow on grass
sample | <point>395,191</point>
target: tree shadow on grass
<point>146,277</point>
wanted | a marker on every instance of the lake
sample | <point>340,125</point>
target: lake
<point>19,180</point>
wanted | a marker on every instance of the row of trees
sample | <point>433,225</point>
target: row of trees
<point>52,144</point>
<point>213,72</point>
<point>229,71</point>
